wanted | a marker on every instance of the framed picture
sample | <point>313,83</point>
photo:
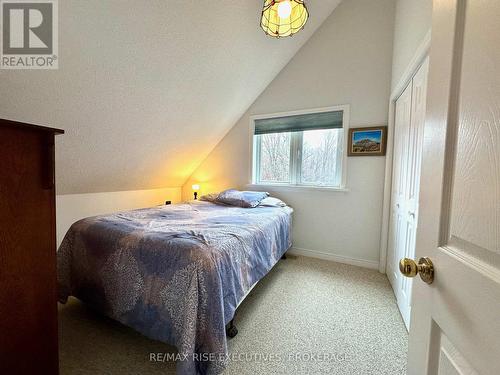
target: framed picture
<point>367,141</point>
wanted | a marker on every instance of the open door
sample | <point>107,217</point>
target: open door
<point>456,319</point>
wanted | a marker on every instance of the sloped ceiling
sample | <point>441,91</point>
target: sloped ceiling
<point>146,89</point>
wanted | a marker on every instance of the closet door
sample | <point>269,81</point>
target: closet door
<point>409,132</point>
<point>397,235</point>
<point>413,168</point>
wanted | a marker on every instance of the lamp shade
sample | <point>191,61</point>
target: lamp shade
<point>196,187</point>
<point>283,17</point>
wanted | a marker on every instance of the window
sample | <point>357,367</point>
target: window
<point>300,149</point>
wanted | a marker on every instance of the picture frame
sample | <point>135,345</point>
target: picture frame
<point>369,141</point>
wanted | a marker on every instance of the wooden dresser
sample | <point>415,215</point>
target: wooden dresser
<point>28,296</point>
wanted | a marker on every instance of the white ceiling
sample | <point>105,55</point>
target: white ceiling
<point>146,89</point>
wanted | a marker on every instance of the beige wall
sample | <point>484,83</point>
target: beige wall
<point>73,207</point>
<point>347,61</point>
<point>412,23</point>
<point>146,88</point>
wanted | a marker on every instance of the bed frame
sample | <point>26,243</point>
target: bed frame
<point>231,330</point>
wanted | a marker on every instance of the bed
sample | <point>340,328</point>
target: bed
<point>174,273</point>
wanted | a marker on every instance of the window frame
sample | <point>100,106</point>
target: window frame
<point>296,143</point>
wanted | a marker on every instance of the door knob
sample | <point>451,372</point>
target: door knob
<point>425,268</point>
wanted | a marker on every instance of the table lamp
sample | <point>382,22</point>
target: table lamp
<point>196,187</point>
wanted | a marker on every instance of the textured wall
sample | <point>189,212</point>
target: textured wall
<point>145,89</point>
<point>412,23</point>
<point>347,61</point>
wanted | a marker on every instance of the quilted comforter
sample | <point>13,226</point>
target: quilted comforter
<point>174,273</point>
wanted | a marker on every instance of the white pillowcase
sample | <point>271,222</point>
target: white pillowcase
<point>272,202</point>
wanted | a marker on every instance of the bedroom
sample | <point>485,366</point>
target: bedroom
<point>368,137</point>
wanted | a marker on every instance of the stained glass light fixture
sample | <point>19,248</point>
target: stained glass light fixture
<point>283,17</point>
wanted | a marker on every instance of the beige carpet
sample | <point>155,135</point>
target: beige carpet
<point>307,316</point>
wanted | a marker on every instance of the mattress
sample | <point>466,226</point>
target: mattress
<point>174,273</point>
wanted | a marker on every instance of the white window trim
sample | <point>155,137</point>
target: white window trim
<point>252,177</point>
<point>286,187</point>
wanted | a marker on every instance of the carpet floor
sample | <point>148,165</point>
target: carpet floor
<point>307,316</point>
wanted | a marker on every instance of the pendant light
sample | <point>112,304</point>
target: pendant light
<point>283,17</point>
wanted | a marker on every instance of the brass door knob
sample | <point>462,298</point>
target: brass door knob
<point>424,268</point>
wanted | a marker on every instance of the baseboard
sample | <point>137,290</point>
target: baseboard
<point>334,258</point>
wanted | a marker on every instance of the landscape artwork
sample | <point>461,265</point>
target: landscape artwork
<point>367,141</point>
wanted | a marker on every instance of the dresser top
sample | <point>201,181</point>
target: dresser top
<point>23,125</point>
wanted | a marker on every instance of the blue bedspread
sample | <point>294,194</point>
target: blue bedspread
<point>174,273</point>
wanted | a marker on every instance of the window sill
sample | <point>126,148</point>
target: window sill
<point>297,188</point>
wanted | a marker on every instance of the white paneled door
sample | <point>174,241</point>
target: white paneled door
<point>455,320</point>
<point>408,140</point>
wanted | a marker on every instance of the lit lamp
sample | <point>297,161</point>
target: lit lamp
<point>196,188</point>
<point>283,17</point>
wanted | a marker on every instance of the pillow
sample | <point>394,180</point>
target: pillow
<point>246,199</point>
<point>212,197</point>
<point>272,202</point>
